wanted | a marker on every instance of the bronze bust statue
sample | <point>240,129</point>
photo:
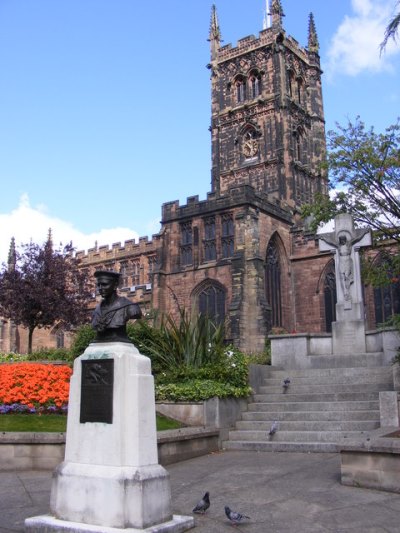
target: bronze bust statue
<point>113,312</point>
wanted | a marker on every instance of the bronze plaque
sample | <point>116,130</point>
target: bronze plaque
<point>97,390</point>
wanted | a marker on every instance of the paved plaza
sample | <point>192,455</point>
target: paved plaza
<point>281,492</point>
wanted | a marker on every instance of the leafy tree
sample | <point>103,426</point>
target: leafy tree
<point>364,170</point>
<point>391,29</point>
<point>41,287</point>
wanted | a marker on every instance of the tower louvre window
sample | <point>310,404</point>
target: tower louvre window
<point>255,85</point>
<point>240,89</point>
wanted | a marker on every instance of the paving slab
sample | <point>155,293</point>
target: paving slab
<point>281,492</point>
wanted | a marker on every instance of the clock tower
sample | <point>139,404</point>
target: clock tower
<point>267,120</point>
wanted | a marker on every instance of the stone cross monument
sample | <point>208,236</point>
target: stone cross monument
<point>348,332</point>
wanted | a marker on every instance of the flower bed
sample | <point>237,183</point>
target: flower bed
<point>34,388</point>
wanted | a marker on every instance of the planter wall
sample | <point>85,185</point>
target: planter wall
<point>45,451</point>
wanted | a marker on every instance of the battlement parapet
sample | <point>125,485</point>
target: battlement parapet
<point>235,196</point>
<point>118,251</point>
<point>265,38</point>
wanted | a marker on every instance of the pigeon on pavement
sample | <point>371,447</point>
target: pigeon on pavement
<point>273,429</point>
<point>234,516</point>
<point>203,504</point>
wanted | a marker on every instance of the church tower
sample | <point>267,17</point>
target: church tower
<point>267,119</point>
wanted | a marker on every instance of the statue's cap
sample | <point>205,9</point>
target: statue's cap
<point>107,274</point>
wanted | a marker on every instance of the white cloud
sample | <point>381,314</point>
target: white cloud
<point>355,47</point>
<point>27,223</point>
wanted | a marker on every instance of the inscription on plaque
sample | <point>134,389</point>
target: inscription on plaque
<point>97,391</point>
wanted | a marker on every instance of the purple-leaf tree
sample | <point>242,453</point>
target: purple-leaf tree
<point>42,287</point>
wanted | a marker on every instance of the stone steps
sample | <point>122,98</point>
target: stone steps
<point>309,425</point>
<point>343,406</point>
<point>297,387</point>
<point>273,446</point>
<point>321,408</point>
<point>315,397</point>
<point>322,416</point>
<point>292,436</point>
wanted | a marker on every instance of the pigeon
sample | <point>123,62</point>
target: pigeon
<point>286,383</point>
<point>203,504</point>
<point>273,429</point>
<point>235,517</point>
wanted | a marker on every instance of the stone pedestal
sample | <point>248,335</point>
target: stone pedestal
<point>348,338</point>
<point>110,479</point>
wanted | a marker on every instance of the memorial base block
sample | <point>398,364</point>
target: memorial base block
<point>348,337</point>
<point>49,524</point>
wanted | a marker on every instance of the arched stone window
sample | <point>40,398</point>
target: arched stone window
<point>386,299</point>
<point>299,90</point>
<point>210,297</point>
<point>330,296</point>
<point>273,290</point>
<point>59,337</point>
<point>291,83</point>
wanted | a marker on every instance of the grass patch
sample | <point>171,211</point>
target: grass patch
<point>21,422</point>
<point>58,423</point>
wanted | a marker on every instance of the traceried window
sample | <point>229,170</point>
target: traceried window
<point>152,262</point>
<point>186,244</point>
<point>330,297</point>
<point>58,335</point>
<point>210,250</point>
<point>211,301</point>
<point>124,274</point>
<point>135,267</point>
<point>273,284</point>
<point>227,235</point>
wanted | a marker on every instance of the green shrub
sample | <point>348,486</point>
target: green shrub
<point>230,367</point>
<point>191,341</point>
<point>50,354</point>
<point>197,390</point>
<point>12,357</point>
<point>83,337</point>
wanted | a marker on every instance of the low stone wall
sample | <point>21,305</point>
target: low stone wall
<point>44,451</point>
<point>185,443</point>
<point>31,451</point>
<point>296,351</point>
<point>218,413</point>
<point>373,463</point>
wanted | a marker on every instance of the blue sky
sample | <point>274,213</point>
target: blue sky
<point>105,104</point>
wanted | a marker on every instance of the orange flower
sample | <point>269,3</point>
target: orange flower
<point>34,383</point>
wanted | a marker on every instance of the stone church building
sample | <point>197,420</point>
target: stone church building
<point>243,255</point>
